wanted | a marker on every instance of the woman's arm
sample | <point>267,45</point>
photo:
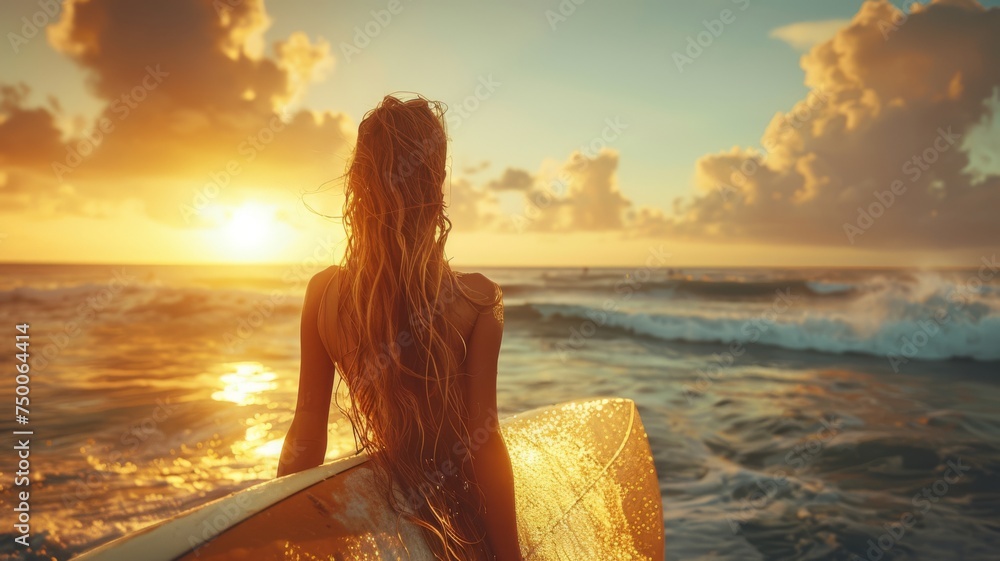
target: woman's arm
<point>490,461</point>
<point>305,443</point>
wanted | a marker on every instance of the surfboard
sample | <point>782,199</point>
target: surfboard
<point>585,488</point>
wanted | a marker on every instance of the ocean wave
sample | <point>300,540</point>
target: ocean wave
<point>729,290</point>
<point>938,331</point>
<point>921,316</point>
<point>53,294</point>
<point>139,301</point>
<point>742,289</point>
<point>850,288</point>
<point>830,287</point>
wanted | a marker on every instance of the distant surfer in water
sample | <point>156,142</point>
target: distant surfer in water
<point>416,343</point>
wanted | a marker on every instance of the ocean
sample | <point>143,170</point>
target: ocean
<point>792,413</point>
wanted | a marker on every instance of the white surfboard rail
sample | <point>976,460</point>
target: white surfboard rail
<point>185,531</point>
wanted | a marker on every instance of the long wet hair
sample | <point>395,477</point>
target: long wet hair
<point>406,401</point>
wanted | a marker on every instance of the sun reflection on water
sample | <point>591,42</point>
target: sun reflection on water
<point>256,454</point>
<point>247,385</point>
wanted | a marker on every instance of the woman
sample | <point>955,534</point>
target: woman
<point>416,342</point>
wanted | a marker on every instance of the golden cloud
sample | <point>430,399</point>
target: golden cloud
<point>191,104</point>
<point>875,155</point>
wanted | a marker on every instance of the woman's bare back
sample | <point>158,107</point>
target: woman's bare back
<point>461,310</point>
<point>478,319</point>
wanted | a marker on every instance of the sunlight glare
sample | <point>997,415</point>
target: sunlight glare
<point>247,385</point>
<point>250,225</point>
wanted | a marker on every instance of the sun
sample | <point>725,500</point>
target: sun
<point>249,225</point>
<point>250,231</point>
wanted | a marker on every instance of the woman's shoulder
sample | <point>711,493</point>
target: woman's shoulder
<point>323,278</point>
<point>320,283</point>
<point>482,290</point>
<point>477,283</point>
<point>326,273</point>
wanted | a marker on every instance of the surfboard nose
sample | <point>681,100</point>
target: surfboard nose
<point>585,483</point>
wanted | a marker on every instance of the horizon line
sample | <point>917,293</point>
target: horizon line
<point>484,266</point>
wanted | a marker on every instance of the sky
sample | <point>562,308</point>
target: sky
<point>724,132</point>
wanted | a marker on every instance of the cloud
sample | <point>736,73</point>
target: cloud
<point>476,168</point>
<point>195,102</point>
<point>804,34</point>
<point>875,155</point>
<point>28,136</point>
<point>580,194</point>
<point>29,141</point>
<point>471,208</point>
<point>197,114</point>
<point>593,200</point>
<point>303,63</point>
<point>189,96</point>
<point>512,180</point>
